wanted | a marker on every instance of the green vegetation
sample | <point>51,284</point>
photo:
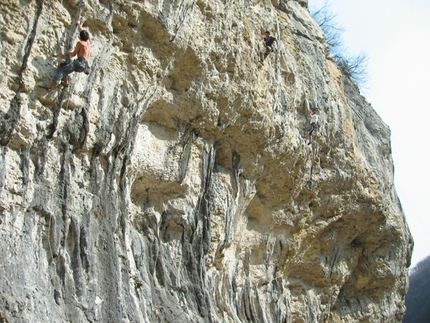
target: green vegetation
<point>418,296</point>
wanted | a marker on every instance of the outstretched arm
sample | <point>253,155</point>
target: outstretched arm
<point>78,23</point>
<point>78,45</point>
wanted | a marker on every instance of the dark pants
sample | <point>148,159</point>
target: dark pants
<point>312,128</point>
<point>263,56</point>
<point>78,65</point>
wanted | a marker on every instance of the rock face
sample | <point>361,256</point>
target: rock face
<point>173,184</point>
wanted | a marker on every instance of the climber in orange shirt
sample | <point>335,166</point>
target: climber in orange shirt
<point>83,50</point>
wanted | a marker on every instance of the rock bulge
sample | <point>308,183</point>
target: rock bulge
<point>173,183</point>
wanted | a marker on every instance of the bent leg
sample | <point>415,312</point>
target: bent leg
<point>312,128</point>
<point>64,71</point>
<point>268,51</point>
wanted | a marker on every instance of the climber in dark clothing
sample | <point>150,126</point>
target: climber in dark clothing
<point>268,42</point>
<point>83,50</point>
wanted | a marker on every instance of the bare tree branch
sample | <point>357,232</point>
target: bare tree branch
<point>354,67</point>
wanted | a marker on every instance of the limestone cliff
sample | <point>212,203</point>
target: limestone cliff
<point>173,184</point>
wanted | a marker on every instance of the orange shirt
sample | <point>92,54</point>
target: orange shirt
<point>82,49</point>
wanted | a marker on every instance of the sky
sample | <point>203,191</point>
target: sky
<point>395,36</point>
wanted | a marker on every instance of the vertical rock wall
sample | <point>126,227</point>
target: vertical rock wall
<point>173,184</point>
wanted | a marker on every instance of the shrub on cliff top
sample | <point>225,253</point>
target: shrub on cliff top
<point>354,67</point>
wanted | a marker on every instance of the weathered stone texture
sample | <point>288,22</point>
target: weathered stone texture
<point>173,184</point>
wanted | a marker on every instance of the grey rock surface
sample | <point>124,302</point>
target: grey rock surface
<point>173,183</point>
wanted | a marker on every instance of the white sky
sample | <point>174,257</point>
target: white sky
<point>395,35</point>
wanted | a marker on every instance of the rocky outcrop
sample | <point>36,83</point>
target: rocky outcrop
<point>173,184</point>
